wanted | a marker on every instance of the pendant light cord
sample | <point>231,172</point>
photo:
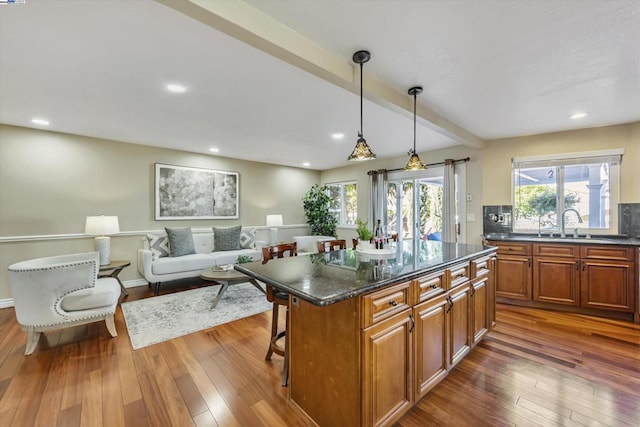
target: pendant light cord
<point>361,135</point>
<point>414,122</point>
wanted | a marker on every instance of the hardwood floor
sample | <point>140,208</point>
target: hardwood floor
<point>536,368</point>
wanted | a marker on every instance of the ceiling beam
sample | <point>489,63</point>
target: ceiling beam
<point>250,25</point>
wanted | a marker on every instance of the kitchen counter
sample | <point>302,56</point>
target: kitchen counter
<point>582,240</point>
<point>328,278</point>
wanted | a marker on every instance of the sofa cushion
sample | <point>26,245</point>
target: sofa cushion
<point>248,238</point>
<point>194,262</point>
<point>226,238</point>
<point>159,245</point>
<point>180,241</point>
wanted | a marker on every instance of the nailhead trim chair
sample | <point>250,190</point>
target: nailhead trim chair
<point>61,291</point>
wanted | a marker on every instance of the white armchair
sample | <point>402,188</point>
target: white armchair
<point>61,291</point>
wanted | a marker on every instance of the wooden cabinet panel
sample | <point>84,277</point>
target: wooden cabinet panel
<point>513,277</point>
<point>430,286</point>
<point>458,324</point>
<point>479,309</point>
<point>481,266</point>
<point>430,349</point>
<point>608,285</point>
<point>554,249</point>
<point>387,370</point>
<point>457,275</point>
<point>612,252</point>
<point>385,303</point>
<point>556,280</point>
<point>512,248</point>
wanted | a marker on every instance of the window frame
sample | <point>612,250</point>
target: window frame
<point>613,157</point>
<point>343,209</point>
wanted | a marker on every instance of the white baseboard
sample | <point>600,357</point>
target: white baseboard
<point>6,303</point>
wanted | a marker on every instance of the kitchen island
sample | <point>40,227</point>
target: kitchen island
<point>372,332</point>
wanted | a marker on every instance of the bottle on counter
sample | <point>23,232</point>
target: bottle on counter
<point>379,236</point>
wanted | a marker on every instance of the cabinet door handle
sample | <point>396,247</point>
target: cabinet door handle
<point>473,291</point>
<point>529,262</point>
<point>577,265</point>
<point>584,265</point>
<point>413,323</point>
<point>393,303</point>
<point>450,301</point>
<point>433,286</point>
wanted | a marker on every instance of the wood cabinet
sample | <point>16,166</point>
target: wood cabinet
<point>513,270</point>
<point>595,279</point>
<point>387,369</point>
<point>365,361</point>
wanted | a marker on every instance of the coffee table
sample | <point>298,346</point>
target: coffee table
<point>226,278</point>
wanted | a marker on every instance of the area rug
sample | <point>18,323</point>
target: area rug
<point>157,319</point>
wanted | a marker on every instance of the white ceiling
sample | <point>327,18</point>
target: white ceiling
<point>490,69</point>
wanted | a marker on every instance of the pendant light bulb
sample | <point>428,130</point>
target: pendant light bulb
<point>414,162</point>
<point>361,151</point>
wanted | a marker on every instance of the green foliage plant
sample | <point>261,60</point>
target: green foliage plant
<point>363,231</point>
<point>316,203</point>
<point>243,258</point>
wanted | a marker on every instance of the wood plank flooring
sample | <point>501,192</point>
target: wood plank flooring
<point>537,368</point>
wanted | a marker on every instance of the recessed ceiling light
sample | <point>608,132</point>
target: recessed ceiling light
<point>337,135</point>
<point>578,115</point>
<point>175,88</point>
<point>214,150</point>
<point>43,122</point>
<point>306,164</point>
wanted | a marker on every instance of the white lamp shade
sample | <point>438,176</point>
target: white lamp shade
<point>274,220</point>
<point>101,225</point>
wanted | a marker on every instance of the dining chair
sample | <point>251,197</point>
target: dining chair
<point>279,298</point>
<point>332,245</point>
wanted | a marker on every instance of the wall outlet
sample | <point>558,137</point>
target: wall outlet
<point>469,197</point>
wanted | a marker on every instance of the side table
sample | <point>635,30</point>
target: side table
<point>112,270</point>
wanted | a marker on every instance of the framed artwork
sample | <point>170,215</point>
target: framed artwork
<point>195,193</point>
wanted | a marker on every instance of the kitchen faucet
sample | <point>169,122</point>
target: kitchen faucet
<point>562,233</point>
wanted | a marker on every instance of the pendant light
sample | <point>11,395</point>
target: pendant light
<point>414,163</point>
<point>362,151</point>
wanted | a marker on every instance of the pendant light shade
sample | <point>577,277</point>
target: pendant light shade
<point>362,151</point>
<point>414,162</point>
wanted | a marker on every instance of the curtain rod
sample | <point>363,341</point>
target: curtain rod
<point>446,161</point>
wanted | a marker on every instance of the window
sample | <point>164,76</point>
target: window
<point>582,186</point>
<point>344,202</point>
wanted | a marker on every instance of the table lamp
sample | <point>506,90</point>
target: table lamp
<point>274,221</point>
<point>100,226</point>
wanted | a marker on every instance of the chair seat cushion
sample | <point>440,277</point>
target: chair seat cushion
<point>104,294</point>
<point>193,262</point>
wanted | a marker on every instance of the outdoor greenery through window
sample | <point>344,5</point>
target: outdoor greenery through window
<point>344,202</point>
<point>584,188</point>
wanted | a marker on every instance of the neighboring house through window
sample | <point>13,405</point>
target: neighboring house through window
<point>583,186</point>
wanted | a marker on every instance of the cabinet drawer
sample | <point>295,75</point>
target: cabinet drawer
<point>513,248</point>
<point>480,266</point>
<point>385,303</point>
<point>430,286</point>
<point>622,253</point>
<point>554,249</point>
<point>457,275</point>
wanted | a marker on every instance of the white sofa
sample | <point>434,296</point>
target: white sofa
<point>309,244</point>
<point>157,270</point>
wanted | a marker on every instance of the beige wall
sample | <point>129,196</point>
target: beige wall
<point>50,182</point>
<point>498,154</point>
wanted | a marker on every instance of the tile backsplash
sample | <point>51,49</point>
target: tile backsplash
<point>629,219</point>
<point>497,219</point>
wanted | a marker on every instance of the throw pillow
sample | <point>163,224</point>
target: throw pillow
<point>180,241</point>
<point>159,245</point>
<point>248,238</point>
<point>226,239</point>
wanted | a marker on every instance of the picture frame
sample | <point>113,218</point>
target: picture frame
<point>187,193</point>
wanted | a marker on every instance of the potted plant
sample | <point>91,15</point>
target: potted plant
<point>316,204</point>
<point>364,234</point>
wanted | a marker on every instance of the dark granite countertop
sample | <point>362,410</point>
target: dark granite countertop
<point>582,240</point>
<point>324,279</point>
